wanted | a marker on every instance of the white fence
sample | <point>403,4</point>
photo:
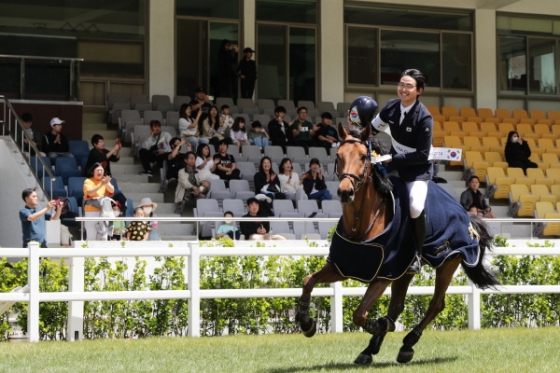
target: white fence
<point>193,251</point>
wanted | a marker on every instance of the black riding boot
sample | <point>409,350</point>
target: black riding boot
<point>420,231</point>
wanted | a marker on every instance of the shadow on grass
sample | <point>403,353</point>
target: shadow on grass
<point>338,367</point>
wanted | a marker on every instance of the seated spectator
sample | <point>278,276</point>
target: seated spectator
<point>200,103</point>
<point>189,185</point>
<point>214,128</point>
<point>189,126</point>
<point>289,181</point>
<point>118,230</point>
<point>266,180</point>
<point>326,135</point>
<point>229,227</point>
<point>55,143</point>
<point>517,152</point>
<point>258,135</point>
<point>205,163</point>
<point>238,134</point>
<point>225,164</point>
<point>175,162</point>
<point>280,132</point>
<point>256,230</point>
<point>225,116</point>
<point>155,148</point>
<point>473,201</point>
<point>314,182</point>
<point>149,207</point>
<point>138,230</point>
<point>302,129</point>
<point>34,135</point>
<point>98,154</point>
<point>97,185</point>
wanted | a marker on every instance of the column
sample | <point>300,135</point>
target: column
<point>332,51</point>
<point>485,52</point>
<point>161,42</point>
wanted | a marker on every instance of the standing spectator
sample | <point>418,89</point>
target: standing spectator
<point>314,182</point>
<point>200,103</point>
<point>266,180</point>
<point>149,207</point>
<point>517,152</point>
<point>96,186</point>
<point>302,129</point>
<point>33,220</point>
<point>98,154</point>
<point>138,230</point>
<point>229,227</point>
<point>225,164</point>
<point>189,185</point>
<point>473,201</point>
<point>205,163</point>
<point>256,230</point>
<point>188,126</point>
<point>289,181</point>
<point>279,129</point>
<point>214,128</point>
<point>155,148</point>
<point>247,71</point>
<point>238,133</point>
<point>258,135</point>
<point>326,135</point>
<point>34,135</point>
<point>226,78</point>
<point>55,143</point>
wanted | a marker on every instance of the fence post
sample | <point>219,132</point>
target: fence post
<point>33,281</point>
<point>75,327</point>
<point>337,313</point>
<point>474,307</point>
<point>194,287</point>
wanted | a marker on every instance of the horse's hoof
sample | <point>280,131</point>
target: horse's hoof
<point>312,329</point>
<point>363,359</point>
<point>406,353</point>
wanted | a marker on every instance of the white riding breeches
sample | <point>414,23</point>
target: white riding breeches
<point>417,192</point>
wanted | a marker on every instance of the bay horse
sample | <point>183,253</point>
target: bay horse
<point>371,209</point>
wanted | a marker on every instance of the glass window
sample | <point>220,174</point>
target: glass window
<point>456,57</point>
<point>208,8</point>
<point>513,63</point>
<point>542,77</point>
<point>407,17</point>
<point>302,64</point>
<point>297,11</point>
<point>401,50</point>
<point>272,61</point>
<point>362,55</point>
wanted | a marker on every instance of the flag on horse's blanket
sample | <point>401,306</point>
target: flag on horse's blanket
<point>388,255</point>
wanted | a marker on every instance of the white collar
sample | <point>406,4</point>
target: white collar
<point>406,109</point>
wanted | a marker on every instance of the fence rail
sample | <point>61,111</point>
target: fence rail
<point>193,251</point>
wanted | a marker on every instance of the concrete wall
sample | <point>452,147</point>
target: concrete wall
<point>161,44</point>
<point>332,51</point>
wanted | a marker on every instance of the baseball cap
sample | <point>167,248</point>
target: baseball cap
<point>199,89</point>
<point>248,50</point>
<point>56,120</point>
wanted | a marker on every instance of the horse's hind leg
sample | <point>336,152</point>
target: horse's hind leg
<point>327,274</point>
<point>444,274</point>
<point>383,325</point>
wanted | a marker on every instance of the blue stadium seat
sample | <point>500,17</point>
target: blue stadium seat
<point>38,166</point>
<point>79,148</point>
<point>66,167</point>
<point>76,188</point>
<point>58,189</point>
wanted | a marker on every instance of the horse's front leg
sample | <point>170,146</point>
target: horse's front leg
<point>327,274</point>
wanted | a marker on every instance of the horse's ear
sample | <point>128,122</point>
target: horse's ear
<point>366,132</point>
<point>342,133</point>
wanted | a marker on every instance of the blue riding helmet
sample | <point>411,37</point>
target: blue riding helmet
<point>362,111</point>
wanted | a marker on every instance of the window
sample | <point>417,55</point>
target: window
<point>513,63</point>
<point>362,55</point>
<point>293,11</point>
<point>456,58</point>
<point>542,76</point>
<point>208,8</point>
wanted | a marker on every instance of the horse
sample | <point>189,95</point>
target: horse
<point>370,211</point>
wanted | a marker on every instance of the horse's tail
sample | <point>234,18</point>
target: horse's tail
<point>479,274</point>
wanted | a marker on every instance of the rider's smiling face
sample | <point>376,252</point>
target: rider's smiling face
<point>408,91</point>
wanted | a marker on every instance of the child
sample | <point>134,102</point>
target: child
<point>118,227</point>
<point>225,117</point>
<point>229,228</point>
<point>138,230</point>
<point>238,134</point>
<point>258,135</point>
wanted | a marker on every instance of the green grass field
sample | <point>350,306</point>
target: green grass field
<point>495,350</point>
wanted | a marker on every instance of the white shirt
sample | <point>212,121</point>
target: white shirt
<point>207,168</point>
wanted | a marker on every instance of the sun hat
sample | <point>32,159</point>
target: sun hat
<point>147,201</point>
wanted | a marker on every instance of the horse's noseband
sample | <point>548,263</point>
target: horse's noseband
<point>357,181</point>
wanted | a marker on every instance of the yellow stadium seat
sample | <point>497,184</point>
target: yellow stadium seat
<point>437,138</point>
<point>555,130</point>
<point>449,111</point>
<point>488,116</point>
<point>553,115</point>
<point>518,176</point>
<point>494,159</point>
<point>519,193</point>
<point>537,114</point>
<point>513,121</point>
<point>543,131</point>
<point>522,116</point>
<point>493,144</point>
<point>548,146</point>
<point>554,174</point>
<point>502,113</point>
<point>437,126</point>
<point>537,174</point>
<point>452,129</point>
<point>473,143</point>
<point>505,128</point>
<point>555,190</point>
<point>434,110</point>
<point>456,118</point>
<point>474,160</point>
<point>542,193</point>
<point>545,210</point>
<point>526,130</point>
<point>533,146</point>
<point>548,122</point>
<point>489,129</point>
<point>471,129</point>
<point>469,115</point>
<point>496,176</point>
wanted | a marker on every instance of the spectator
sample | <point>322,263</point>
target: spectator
<point>247,71</point>
<point>256,230</point>
<point>266,180</point>
<point>229,227</point>
<point>517,152</point>
<point>258,135</point>
<point>205,163</point>
<point>34,135</point>
<point>238,134</point>
<point>97,185</point>
<point>138,230</point>
<point>55,143</point>
<point>155,148</point>
<point>98,154</point>
<point>175,161</point>
<point>302,129</point>
<point>225,117</point>
<point>280,131</point>
<point>189,185</point>
<point>326,135</point>
<point>473,201</point>
<point>289,181</point>
<point>149,207</point>
<point>214,129</point>
<point>188,126</point>
<point>118,230</point>
<point>200,104</point>
<point>226,78</point>
<point>33,220</point>
<point>314,182</point>
<point>225,164</point>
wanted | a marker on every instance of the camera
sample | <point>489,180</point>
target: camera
<point>57,202</point>
<point>118,141</point>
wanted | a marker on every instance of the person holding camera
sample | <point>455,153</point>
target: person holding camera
<point>155,148</point>
<point>98,154</point>
<point>517,152</point>
<point>314,182</point>
<point>33,220</point>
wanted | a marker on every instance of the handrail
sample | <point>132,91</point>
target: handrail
<point>8,112</point>
<point>14,56</point>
